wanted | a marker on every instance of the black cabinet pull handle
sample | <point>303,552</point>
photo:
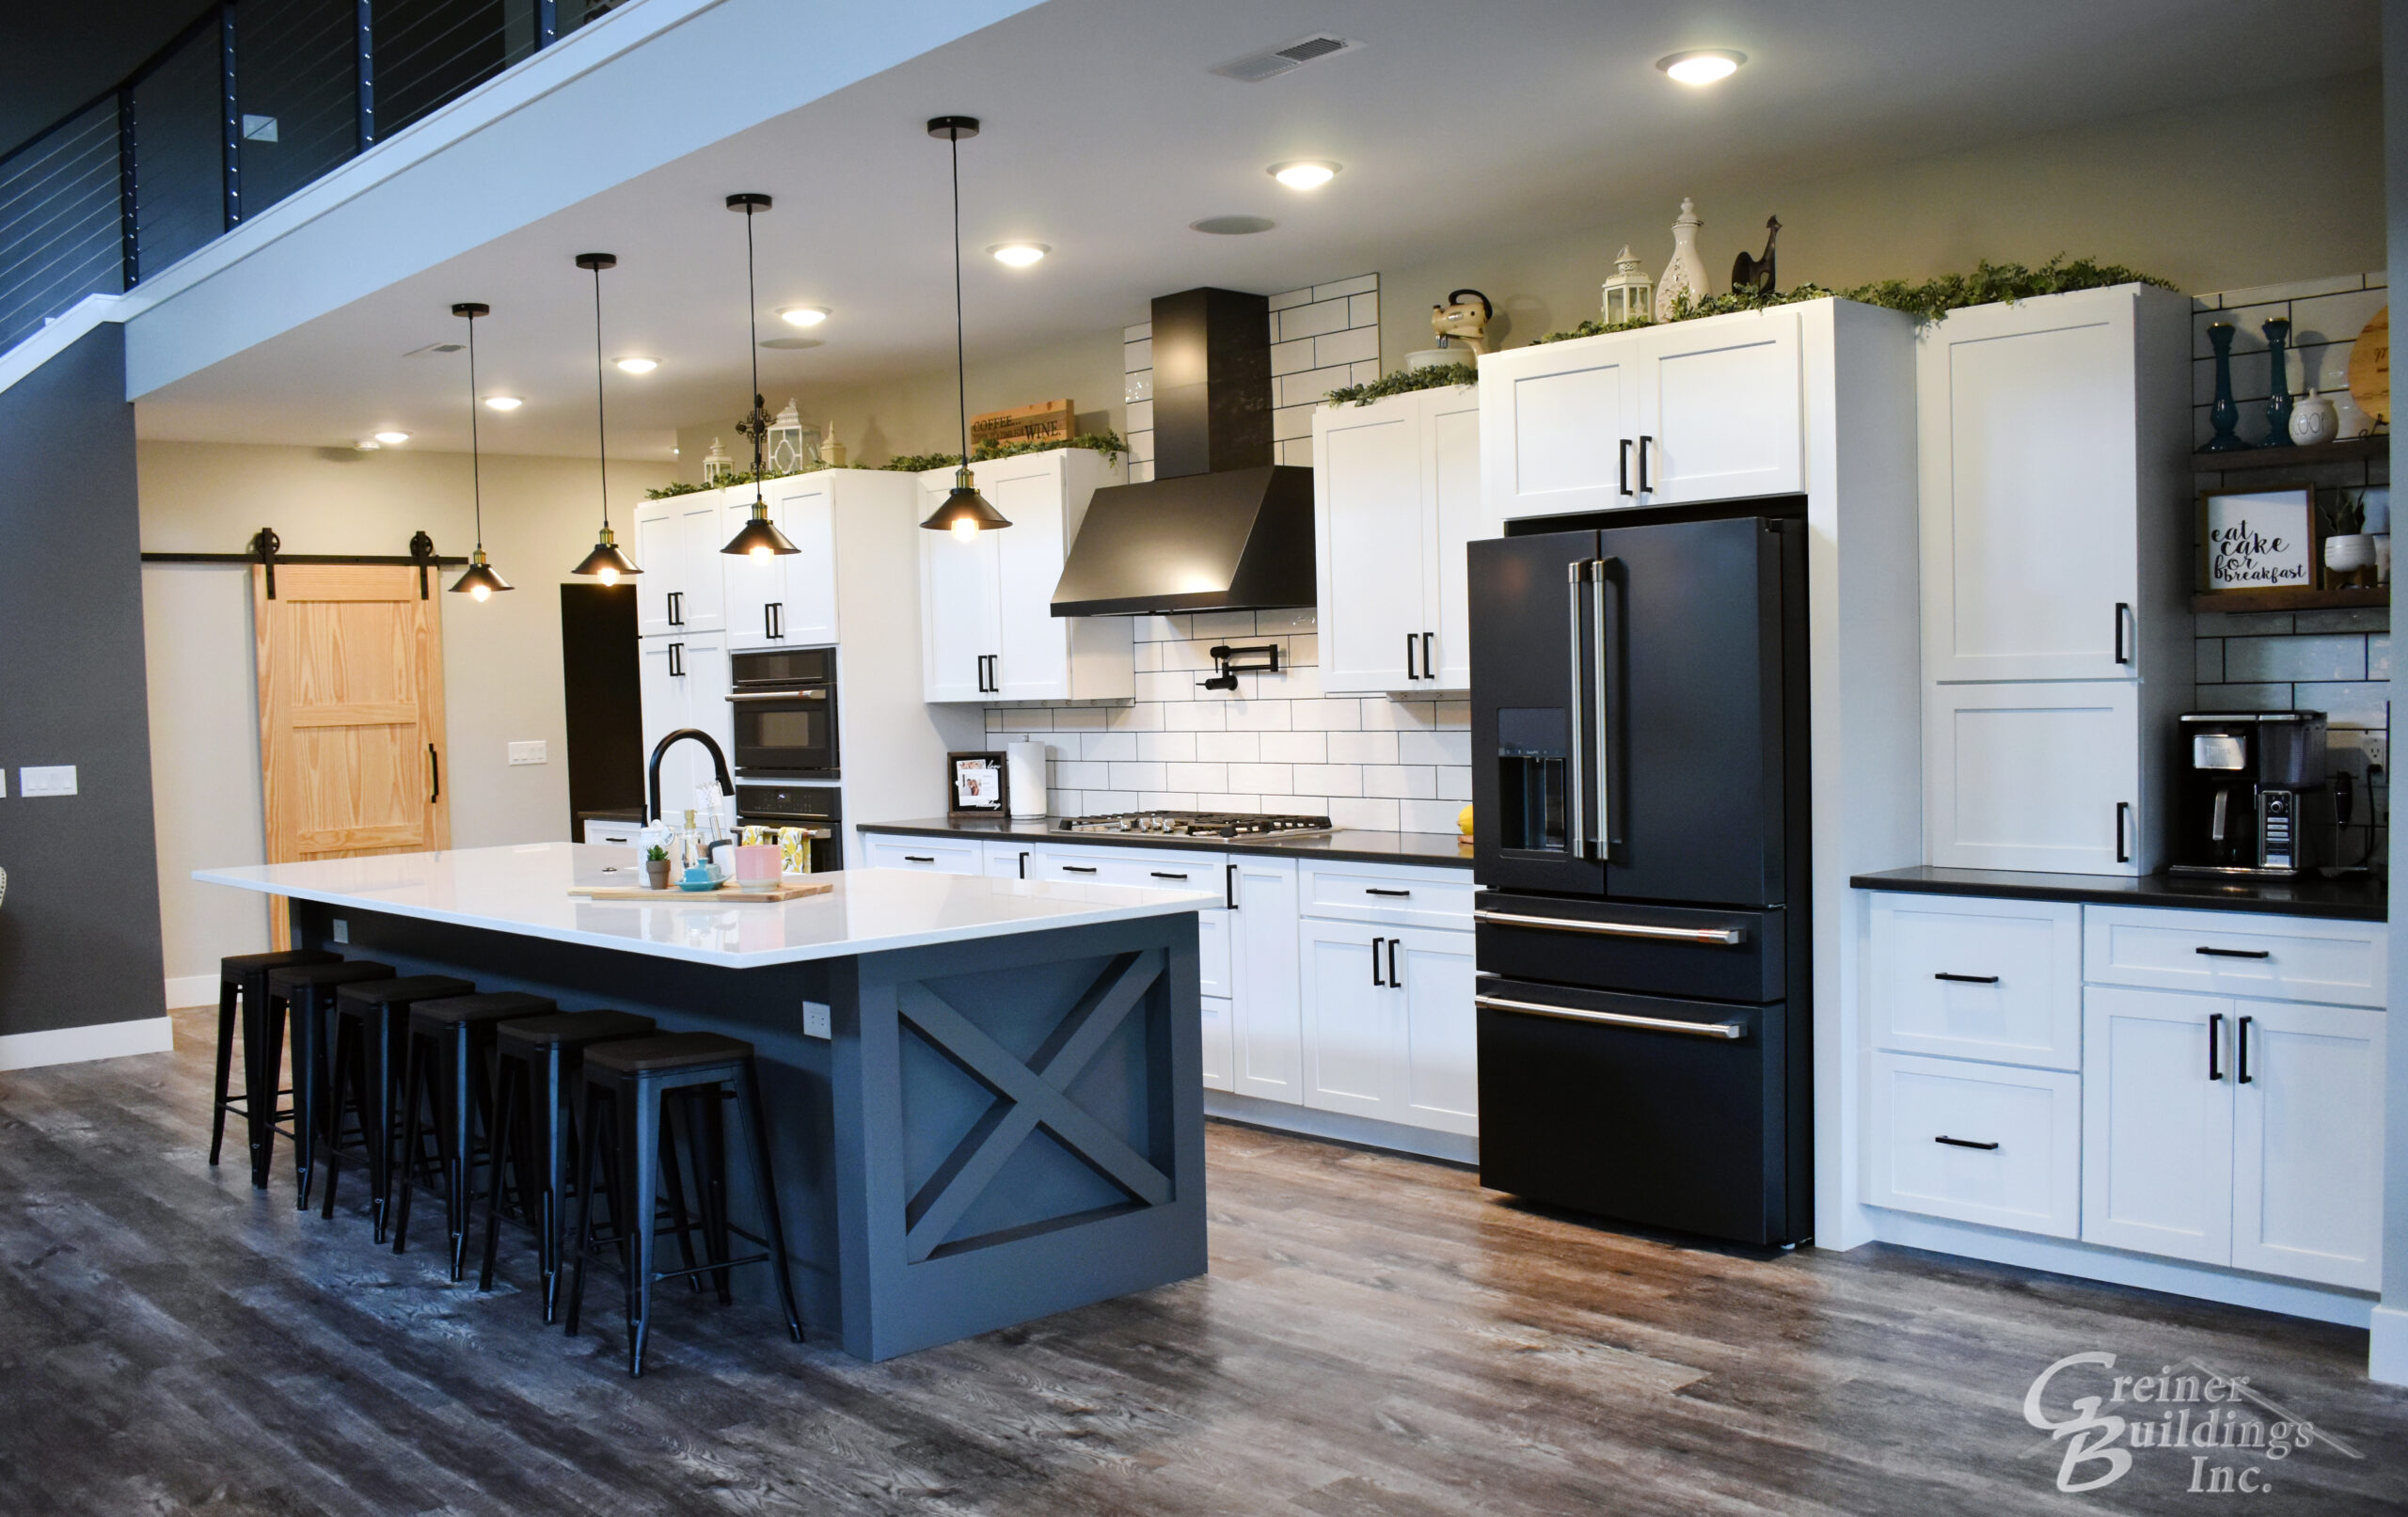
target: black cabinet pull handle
<point>2242,1035</point>
<point>1967,979</point>
<point>676,607</point>
<point>1162,874</point>
<point>1965,1142</point>
<point>1408,657</point>
<point>919,857</point>
<point>2235,952</point>
<point>1230,884</point>
<point>2123,846</point>
<point>1023,863</point>
<point>2215,1040</point>
<point>1644,441</point>
<point>2123,614</point>
<point>434,773</point>
<point>1374,890</point>
<point>1396,981</point>
<point>1621,480</point>
<point>1078,869</point>
<point>1375,962</point>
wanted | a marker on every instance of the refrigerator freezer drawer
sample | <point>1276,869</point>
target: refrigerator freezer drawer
<point>1649,950</point>
<point>1667,1113</point>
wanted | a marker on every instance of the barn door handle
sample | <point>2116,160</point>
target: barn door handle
<point>434,773</point>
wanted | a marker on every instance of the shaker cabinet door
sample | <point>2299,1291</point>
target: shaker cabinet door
<point>2157,1082</point>
<point>2042,777</point>
<point>1033,645</point>
<point>1266,1027</point>
<point>1721,410</point>
<point>1456,515</point>
<point>1555,428</point>
<point>1350,1019</point>
<point>2307,1142</point>
<point>1367,480</point>
<point>959,630</point>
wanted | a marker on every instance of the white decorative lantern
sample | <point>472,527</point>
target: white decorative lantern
<point>791,445</point>
<point>715,464</point>
<point>1629,295</point>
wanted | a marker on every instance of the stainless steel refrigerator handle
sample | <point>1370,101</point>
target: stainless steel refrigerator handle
<point>1725,1032</point>
<point>1605,731</point>
<point>1729,936</point>
<point>1578,838</point>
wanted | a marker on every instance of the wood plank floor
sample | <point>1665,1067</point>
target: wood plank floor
<point>1378,1337</point>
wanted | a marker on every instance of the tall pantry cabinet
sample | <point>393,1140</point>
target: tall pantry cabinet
<point>2054,442</point>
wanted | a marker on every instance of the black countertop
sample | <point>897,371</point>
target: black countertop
<point>2352,899</point>
<point>1347,844</point>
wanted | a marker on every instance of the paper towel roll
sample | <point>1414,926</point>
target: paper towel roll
<point>1024,776</point>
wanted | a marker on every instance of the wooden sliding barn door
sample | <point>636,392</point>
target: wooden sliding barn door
<point>351,712</point>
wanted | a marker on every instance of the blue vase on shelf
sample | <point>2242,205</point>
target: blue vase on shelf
<point>2278,403</point>
<point>2226,413</point>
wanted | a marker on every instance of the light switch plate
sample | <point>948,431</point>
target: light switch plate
<point>815,1019</point>
<point>534,753</point>
<point>342,930</point>
<point>46,780</point>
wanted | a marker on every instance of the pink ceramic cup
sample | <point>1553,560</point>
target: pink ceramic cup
<point>757,864</point>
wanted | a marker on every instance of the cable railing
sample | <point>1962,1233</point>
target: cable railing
<point>251,102</point>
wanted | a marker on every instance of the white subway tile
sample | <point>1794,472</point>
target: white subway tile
<point>1200,776</point>
<point>1228,747</point>
<point>1352,346</point>
<point>1295,452</point>
<point>1061,802</point>
<point>1136,356</point>
<point>1300,683</point>
<point>1142,473</point>
<point>1167,747</point>
<point>1166,685</point>
<point>1149,656</point>
<point>2337,317</point>
<point>1454,782</point>
<point>1325,715</point>
<point>1428,815</point>
<point>1078,774</point>
<point>1434,747</point>
<point>1080,719</point>
<point>1141,417</point>
<point>1295,747</point>
<point>1258,716</point>
<point>1137,387</point>
<point>1314,317</point>
<point>1290,619</point>
<point>1292,358</point>
<point>1365,815</point>
<point>1212,627</point>
<point>1264,779</point>
<point>2289,289</point>
<point>1025,719</point>
<point>1164,801</point>
<point>1290,422</point>
<point>1145,717</point>
<point>1290,297</point>
<point>1141,448</point>
<point>1159,628</point>
<point>1365,372</point>
<point>1363,747</point>
<point>1138,333</point>
<point>1243,805</point>
<point>1196,716</point>
<point>1139,776</point>
<point>1454,714</point>
<point>1418,781</point>
<point>1362,284</point>
<point>1399,715</point>
<point>1363,310</point>
<point>1329,780</point>
<point>1108,745</point>
<point>1102,803</point>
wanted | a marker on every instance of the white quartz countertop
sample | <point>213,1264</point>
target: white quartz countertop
<point>525,890</point>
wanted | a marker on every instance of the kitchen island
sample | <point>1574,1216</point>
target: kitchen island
<point>1000,1116</point>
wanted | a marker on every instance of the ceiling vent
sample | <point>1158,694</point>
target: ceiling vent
<point>1258,67</point>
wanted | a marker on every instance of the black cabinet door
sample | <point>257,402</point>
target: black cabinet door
<point>1533,779</point>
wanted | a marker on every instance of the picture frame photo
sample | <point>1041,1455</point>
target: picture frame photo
<point>978,786</point>
<point>2259,539</point>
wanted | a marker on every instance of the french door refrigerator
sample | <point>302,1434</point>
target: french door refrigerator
<point>1638,745</point>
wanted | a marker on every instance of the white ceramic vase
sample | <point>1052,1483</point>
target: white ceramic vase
<point>2347,419</point>
<point>1686,274</point>
<point>2313,419</point>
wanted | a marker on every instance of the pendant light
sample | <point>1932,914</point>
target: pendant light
<point>759,537</point>
<point>606,562</point>
<point>480,581</point>
<point>965,513</point>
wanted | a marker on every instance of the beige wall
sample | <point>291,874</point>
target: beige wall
<point>501,659</point>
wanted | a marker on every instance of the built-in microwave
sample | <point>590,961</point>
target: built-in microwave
<point>784,704</point>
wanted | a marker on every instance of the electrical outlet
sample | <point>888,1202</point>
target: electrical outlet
<point>528,752</point>
<point>815,1019</point>
<point>343,931</point>
<point>50,780</point>
<point>2376,748</point>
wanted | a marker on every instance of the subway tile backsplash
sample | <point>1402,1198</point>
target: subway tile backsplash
<point>1274,744</point>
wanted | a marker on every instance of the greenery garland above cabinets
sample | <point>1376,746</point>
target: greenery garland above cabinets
<point>1403,382</point>
<point>1109,444</point>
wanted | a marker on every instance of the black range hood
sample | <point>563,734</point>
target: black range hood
<point>1220,528</point>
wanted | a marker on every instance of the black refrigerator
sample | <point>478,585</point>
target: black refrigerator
<point>1638,748</point>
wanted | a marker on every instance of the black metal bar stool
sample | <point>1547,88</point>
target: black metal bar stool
<point>536,1062</point>
<point>243,977</point>
<point>451,1068</point>
<point>305,993</point>
<point>624,1087</point>
<point>370,1021</point>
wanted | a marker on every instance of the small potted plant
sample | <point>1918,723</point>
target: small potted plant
<point>656,867</point>
<point>2349,549</point>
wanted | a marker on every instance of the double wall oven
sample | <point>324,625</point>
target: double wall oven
<point>784,706</point>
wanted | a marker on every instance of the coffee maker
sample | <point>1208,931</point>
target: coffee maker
<point>2248,783</point>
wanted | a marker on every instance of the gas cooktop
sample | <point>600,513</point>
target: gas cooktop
<point>1195,824</point>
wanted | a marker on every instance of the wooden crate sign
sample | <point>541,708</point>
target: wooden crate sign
<point>1045,421</point>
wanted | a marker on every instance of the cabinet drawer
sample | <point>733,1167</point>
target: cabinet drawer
<point>1166,869</point>
<point>613,834</point>
<point>1976,979</point>
<point>1401,897</point>
<point>1977,1143</point>
<point>930,856</point>
<point>2281,959</point>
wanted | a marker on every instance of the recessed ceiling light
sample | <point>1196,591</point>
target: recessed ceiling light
<point>1304,173</point>
<point>1233,226</point>
<point>638,366</point>
<point>504,402</point>
<point>803,315</point>
<point>392,439</point>
<point>1702,65</point>
<point>1019,255</point>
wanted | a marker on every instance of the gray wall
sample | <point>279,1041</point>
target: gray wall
<point>79,933</point>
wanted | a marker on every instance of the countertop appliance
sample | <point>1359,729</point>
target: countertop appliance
<point>1638,778</point>
<point>819,808</point>
<point>2249,781</point>
<point>785,713</point>
<point>1195,824</point>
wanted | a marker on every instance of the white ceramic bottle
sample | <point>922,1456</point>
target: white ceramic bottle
<point>1686,274</point>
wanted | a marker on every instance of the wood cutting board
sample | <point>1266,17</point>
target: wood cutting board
<point>2371,368</point>
<point>726,894</point>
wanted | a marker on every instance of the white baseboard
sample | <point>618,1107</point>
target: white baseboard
<point>1368,1131</point>
<point>2090,1261</point>
<point>191,990</point>
<point>78,1045</point>
<point>2388,1346</point>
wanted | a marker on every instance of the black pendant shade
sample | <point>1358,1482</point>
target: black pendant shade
<point>606,562</point>
<point>480,581</point>
<point>759,536</point>
<point>965,513</point>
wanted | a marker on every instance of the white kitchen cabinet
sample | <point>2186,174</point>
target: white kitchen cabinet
<point>2052,776</point>
<point>611,834</point>
<point>2308,1085</point>
<point>2235,952</point>
<point>929,856</point>
<point>1396,488</point>
<point>988,628</point>
<point>786,600</point>
<point>1390,1029</point>
<point>1007,858</point>
<point>2055,448</point>
<point>2156,1130</point>
<point>1166,869</point>
<point>682,682</point>
<point>678,542</point>
<point>1691,411</point>
<point>1266,1025</point>
<point>1219,1052</point>
<point>1973,978</point>
<point>1976,1142</point>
